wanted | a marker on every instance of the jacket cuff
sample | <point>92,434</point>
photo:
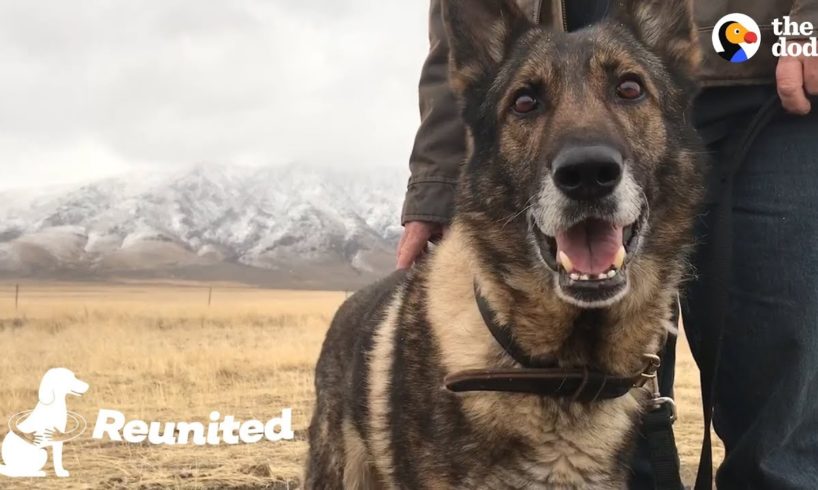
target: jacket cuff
<point>429,199</point>
<point>805,10</point>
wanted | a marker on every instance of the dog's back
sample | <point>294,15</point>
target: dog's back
<point>341,380</point>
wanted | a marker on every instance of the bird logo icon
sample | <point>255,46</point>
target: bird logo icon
<point>736,38</point>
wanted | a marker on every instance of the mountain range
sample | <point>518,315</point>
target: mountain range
<point>285,226</point>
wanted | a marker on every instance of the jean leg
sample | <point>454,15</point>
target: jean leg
<point>766,405</point>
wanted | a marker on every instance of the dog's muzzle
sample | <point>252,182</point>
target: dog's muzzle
<point>588,222</point>
<point>78,387</point>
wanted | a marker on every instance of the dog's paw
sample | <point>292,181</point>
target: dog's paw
<point>62,473</point>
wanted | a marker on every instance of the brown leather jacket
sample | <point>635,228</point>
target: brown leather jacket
<point>440,142</point>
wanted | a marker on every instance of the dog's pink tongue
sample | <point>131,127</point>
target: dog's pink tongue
<point>591,245</point>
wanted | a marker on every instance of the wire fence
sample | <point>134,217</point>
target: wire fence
<point>18,289</point>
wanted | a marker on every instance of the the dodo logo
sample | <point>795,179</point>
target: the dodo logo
<point>736,37</point>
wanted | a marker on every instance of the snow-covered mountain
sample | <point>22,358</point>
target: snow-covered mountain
<point>273,225</point>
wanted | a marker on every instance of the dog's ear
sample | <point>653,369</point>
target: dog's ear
<point>480,33</point>
<point>666,27</point>
<point>46,393</point>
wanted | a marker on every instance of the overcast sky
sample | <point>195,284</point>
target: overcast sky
<point>91,88</point>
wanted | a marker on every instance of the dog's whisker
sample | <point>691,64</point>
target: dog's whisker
<point>529,204</point>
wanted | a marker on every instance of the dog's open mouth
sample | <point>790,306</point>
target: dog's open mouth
<point>591,257</point>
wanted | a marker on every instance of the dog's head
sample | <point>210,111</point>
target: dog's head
<point>582,164</point>
<point>59,382</point>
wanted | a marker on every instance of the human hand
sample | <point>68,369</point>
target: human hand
<point>415,240</point>
<point>797,77</point>
<point>41,439</point>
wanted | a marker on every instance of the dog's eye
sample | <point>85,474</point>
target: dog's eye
<point>630,89</point>
<point>524,103</point>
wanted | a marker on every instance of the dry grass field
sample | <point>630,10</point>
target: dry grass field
<point>159,352</point>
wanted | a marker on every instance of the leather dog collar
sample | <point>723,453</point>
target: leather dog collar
<point>502,334</point>
<point>578,385</point>
<point>538,375</point>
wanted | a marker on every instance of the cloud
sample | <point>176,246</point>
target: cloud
<point>96,87</point>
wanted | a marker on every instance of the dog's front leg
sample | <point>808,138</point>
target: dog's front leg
<point>56,458</point>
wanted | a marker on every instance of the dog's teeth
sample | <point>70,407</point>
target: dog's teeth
<point>584,277</point>
<point>611,273</point>
<point>574,277</point>
<point>619,259</point>
<point>602,276</point>
<point>565,261</point>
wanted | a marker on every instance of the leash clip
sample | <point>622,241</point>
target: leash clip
<point>654,362</point>
<point>658,401</point>
<point>650,378</point>
<point>649,374</point>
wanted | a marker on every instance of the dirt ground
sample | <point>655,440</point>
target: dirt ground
<point>160,352</point>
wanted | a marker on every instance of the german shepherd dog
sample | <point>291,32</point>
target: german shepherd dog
<point>574,217</point>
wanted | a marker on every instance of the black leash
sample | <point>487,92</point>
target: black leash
<point>719,261</point>
<point>664,456</point>
<point>657,425</point>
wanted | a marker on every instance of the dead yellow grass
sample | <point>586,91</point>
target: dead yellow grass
<point>159,352</point>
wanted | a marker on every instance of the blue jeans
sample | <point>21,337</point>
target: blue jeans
<point>766,401</point>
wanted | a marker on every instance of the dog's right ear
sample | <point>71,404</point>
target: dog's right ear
<point>666,27</point>
<point>480,33</point>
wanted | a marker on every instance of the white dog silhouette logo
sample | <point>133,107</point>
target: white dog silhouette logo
<point>24,448</point>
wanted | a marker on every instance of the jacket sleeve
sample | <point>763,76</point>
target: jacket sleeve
<point>440,143</point>
<point>805,10</point>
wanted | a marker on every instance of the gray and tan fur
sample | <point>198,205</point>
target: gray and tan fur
<point>383,418</point>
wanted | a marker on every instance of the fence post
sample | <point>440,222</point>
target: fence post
<point>209,295</point>
<point>16,296</point>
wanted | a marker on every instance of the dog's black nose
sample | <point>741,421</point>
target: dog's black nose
<point>587,172</point>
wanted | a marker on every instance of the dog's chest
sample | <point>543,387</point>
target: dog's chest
<point>552,447</point>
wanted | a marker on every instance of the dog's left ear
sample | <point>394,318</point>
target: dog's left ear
<point>666,27</point>
<point>46,393</point>
<point>480,33</point>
